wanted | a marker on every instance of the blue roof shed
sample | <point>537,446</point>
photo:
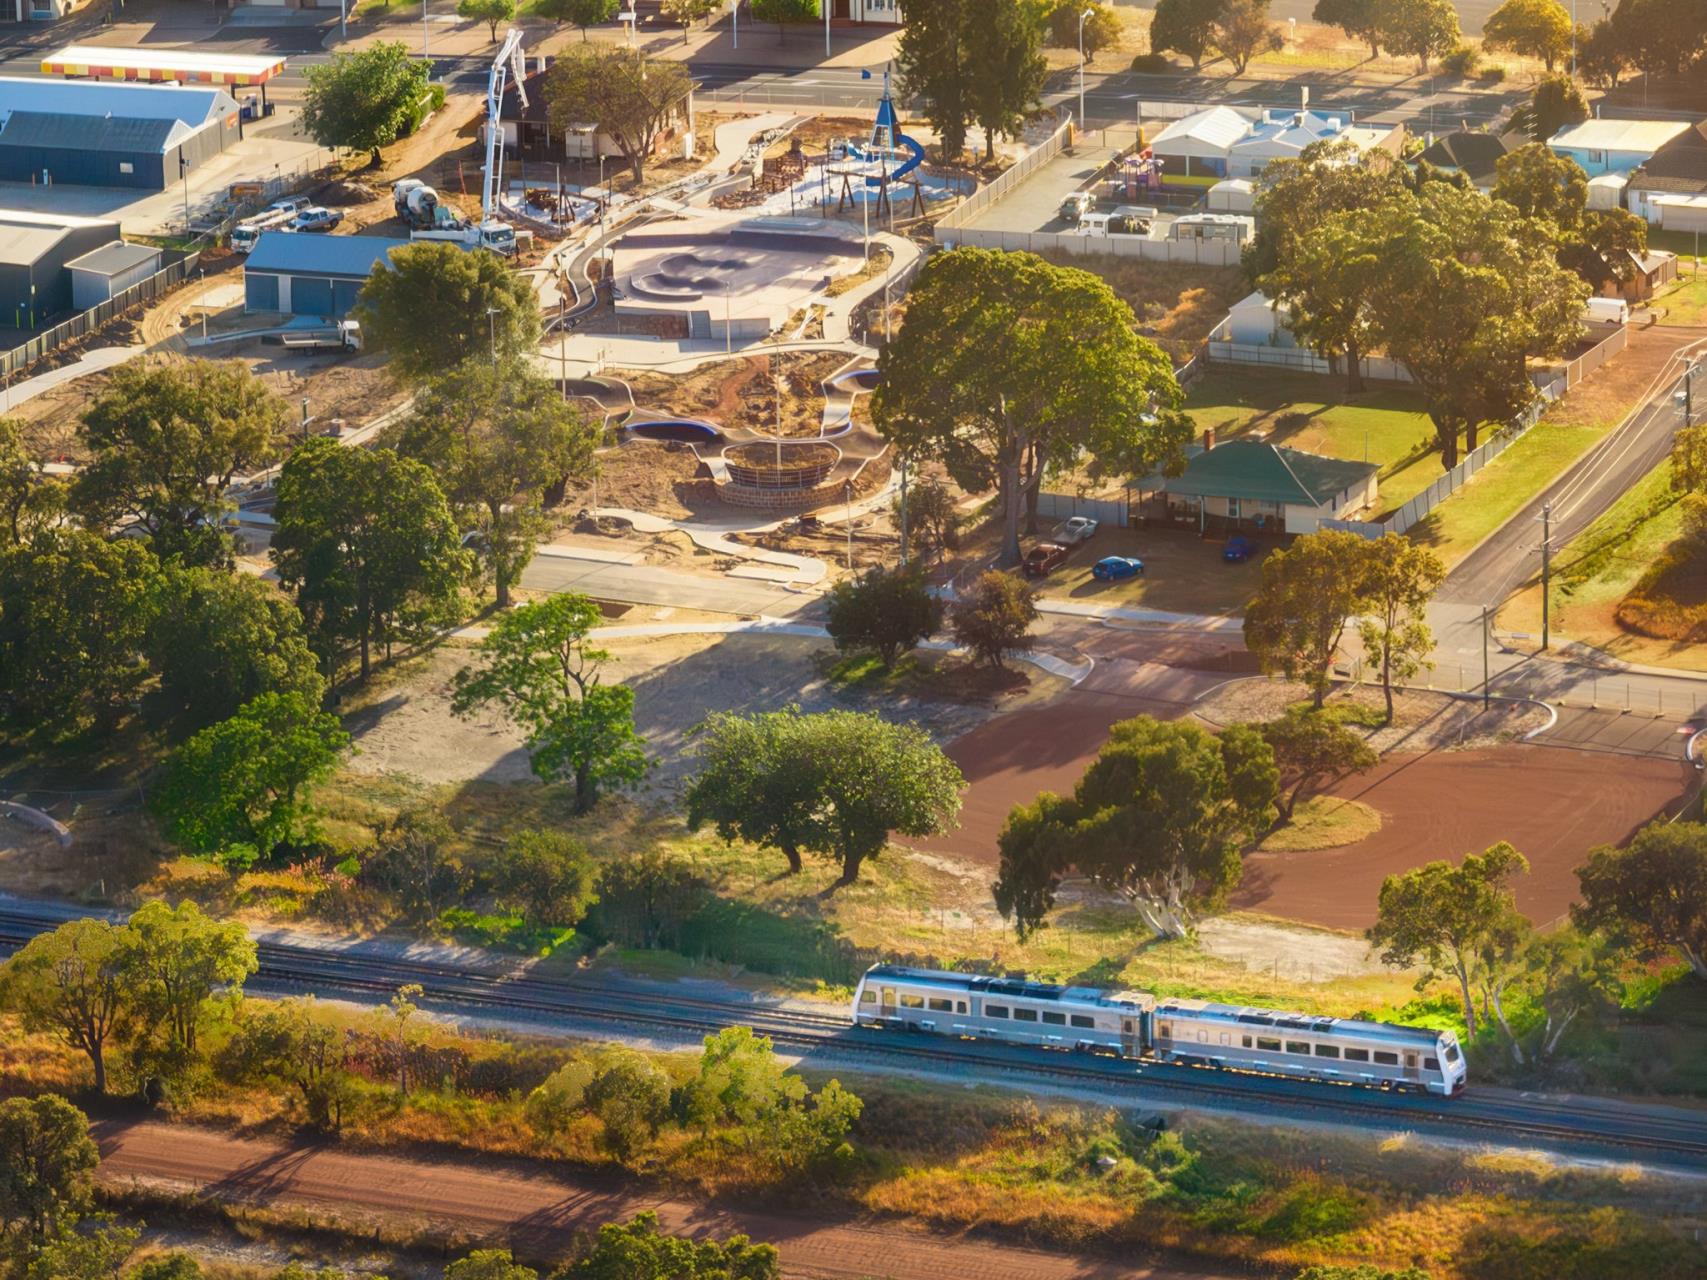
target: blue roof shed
<point>310,274</point>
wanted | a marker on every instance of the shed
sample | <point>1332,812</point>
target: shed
<point>103,273</point>
<point>1601,146</point>
<point>303,274</point>
<point>1681,212</point>
<point>1267,488</point>
<point>1256,320</point>
<point>1194,148</point>
<point>1234,195</point>
<point>35,249</point>
<point>1606,190</point>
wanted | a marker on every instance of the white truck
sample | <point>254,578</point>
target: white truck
<point>419,207</point>
<point>499,237</point>
<point>246,233</point>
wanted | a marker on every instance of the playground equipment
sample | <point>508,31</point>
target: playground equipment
<point>1139,175</point>
<point>893,152</point>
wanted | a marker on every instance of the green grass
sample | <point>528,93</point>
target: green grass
<point>1385,425</point>
<point>1684,301</point>
<point>1682,243</point>
<point>1500,490</point>
<point>1323,822</point>
<point>1602,563</point>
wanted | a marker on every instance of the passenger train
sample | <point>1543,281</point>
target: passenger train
<point>1135,1024</point>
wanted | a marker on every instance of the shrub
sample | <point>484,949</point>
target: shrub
<point>885,611</point>
<point>1461,61</point>
<point>1492,75</point>
<point>993,617</point>
<point>1152,64</point>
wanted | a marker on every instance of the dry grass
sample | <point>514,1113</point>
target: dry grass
<point>1177,304</point>
<point>1323,822</point>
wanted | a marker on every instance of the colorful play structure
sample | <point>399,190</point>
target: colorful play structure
<point>1139,175</point>
<point>894,153</point>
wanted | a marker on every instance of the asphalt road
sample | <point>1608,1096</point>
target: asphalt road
<point>647,584</point>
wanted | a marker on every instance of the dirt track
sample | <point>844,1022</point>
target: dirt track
<point>546,1209</point>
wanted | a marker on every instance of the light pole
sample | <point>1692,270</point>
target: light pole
<point>1087,13</point>
<point>826,4</point>
<point>424,32</point>
<point>735,16</point>
<point>492,331</point>
<point>343,20</point>
<point>1546,573</point>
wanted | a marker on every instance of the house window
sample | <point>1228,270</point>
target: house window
<point>1597,157</point>
<point>1232,508</point>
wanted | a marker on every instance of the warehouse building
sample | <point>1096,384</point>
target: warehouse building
<point>96,134</point>
<point>311,275</point>
<point>35,251</point>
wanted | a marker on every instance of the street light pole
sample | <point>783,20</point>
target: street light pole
<point>826,5</point>
<point>1546,573</point>
<point>1485,690</point>
<point>735,14</point>
<point>1087,13</point>
<point>424,31</point>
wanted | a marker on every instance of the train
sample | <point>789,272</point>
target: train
<point>1138,1025</point>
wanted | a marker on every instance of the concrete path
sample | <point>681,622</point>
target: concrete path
<point>93,362</point>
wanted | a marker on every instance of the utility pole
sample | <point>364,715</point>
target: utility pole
<point>1546,573</point>
<point>903,511</point>
<point>848,491</point>
<point>1087,13</point>
<point>1485,690</point>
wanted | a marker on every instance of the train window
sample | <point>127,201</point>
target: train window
<point>1298,1046</point>
<point>960,1006</point>
<point>1165,1030</point>
<point>1270,1046</point>
<point>1387,1059</point>
<point>1083,1020</point>
<point>1452,1053</point>
<point>1025,1015</point>
<point>941,1006</point>
<point>1246,1040</point>
<point>1357,1055</point>
<point>995,1011</point>
<point>1055,1019</point>
<point>1327,1051</point>
<point>868,996</point>
<point>912,1002</point>
<point>1431,1064</point>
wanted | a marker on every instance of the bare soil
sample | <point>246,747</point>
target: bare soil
<point>1422,721</point>
<point>660,477</point>
<point>742,393</point>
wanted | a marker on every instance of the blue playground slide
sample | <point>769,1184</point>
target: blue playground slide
<point>886,127</point>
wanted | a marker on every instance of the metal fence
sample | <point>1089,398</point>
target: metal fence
<point>1300,359</point>
<point>1059,506</point>
<point>1005,182</point>
<point>84,323</point>
<point>1208,253</point>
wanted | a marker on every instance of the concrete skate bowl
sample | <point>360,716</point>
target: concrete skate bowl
<point>839,391</point>
<point>805,475</point>
<point>693,274</point>
<point>858,380</point>
<point>678,430</point>
<point>613,397</point>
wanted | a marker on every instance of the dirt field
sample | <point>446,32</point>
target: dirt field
<point>742,393</point>
<point>1176,304</point>
<point>1553,804</point>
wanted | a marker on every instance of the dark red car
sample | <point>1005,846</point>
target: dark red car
<point>1045,558</point>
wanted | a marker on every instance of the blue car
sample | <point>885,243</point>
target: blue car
<point>1238,550</point>
<point>1114,568</point>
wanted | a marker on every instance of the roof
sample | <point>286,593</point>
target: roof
<point>1291,131</point>
<point>1473,152</point>
<point>1617,135</point>
<point>298,253</point>
<point>1263,472</point>
<point>104,62</point>
<point>194,106</point>
<point>80,133</point>
<point>23,245</point>
<point>36,218</point>
<point>534,82</point>
<point>1680,165</point>
<point>1387,1032</point>
<point>1014,988</point>
<point>115,258</point>
<point>1612,179</point>
<point>1215,126</point>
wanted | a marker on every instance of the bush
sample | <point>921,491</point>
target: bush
<point>993,616</point>
<point>1152,64</point>
<point>1492,75</point>
<point>1461,61</point>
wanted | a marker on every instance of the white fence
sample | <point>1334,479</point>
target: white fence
<point>1208,253</point>
<point>1005,181</point>
<point>1300,359</point>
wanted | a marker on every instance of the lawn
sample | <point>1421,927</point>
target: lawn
<point>1684,301</point>
<point>1384,425</point>
<point>1685,244</point>
<point>1183,573</point>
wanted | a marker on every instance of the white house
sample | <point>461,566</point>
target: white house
<point>1670,190</point>
<point>1608,146</point>
<point>1257,320</point>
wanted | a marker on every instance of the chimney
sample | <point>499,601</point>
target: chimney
<point>1208,439</point>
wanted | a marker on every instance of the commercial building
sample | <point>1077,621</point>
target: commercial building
<point>1221,142</point>
<point>35,251</point>
<point>110,135</point>
<point>233,72</point>
<point>311,275</point>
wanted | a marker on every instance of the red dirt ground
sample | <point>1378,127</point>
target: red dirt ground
<point>1553,804</point>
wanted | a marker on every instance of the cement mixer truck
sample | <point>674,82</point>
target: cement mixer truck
<point>427,219</point>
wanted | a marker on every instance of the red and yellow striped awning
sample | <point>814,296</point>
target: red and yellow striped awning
<point>99,62</point>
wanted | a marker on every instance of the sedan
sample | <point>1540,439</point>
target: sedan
<point>1043,558</point>
<point>1238,549</point>
<point>1115,568</point>
<point>1077,529</point>
<point>316,219</point>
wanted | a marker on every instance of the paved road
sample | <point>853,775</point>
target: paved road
<point>647,584</point>
<point>544,1209</point>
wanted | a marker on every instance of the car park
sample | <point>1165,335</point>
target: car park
<point>1117,568</point>
<point>1075,529</point>
<point>1044,558</point>
<point>315,218</point>
<point>1238,549</point>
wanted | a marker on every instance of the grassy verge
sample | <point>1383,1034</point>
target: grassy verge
<point>1323,822</point>
<point>1685,300</point>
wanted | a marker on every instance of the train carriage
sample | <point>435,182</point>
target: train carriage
<point>1133,1024</point>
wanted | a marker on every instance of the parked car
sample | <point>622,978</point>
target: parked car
<point>292,204</point>
<point>315,218</point>
<point>1044,558</point>
<point>1077,206</point>
<point>1238,549</point>
<point>1115,568</point>
<point>1075,529</point>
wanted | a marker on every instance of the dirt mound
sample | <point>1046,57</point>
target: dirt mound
<point>348,193</point>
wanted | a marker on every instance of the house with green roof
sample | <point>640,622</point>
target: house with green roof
<point>1252,486</point>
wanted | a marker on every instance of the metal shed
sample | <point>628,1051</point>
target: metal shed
<point>303,274</point>
<point>105,272</point>
<point>35,250</point>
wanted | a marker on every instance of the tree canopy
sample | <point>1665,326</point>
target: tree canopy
<point>969,63</point>
<point>1185,26</point>
<point>1398,579</point>
<point>491,12</point>
<point>630,98</point>
<point>992,616</point>
<point>365,100</point>
<point>47,1166</point>
<point>1534,28</point>
<point>1309,593</point>
<point>440,306</point>
<point>1653,891</point>
<point>834,783</point>
<point>637,1248</point>
<point>582,13</point>
<point>536,663</point>
<point>1420,29</point>
<point>1009,367</point>
<point>1312,752</point>
<point>1244,30</point>
<point>72,984</point>
<point>1159,817</point>
<point>884,611</point>
<point>1359,19</point>
<point>29,500</point>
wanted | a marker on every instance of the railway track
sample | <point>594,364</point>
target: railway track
<point>1605,1126</point>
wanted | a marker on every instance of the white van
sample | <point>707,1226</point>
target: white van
<point>1116,222</point>
<point>1606,311</point>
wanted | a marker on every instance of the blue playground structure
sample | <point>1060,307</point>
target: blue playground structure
<point>894,153</point>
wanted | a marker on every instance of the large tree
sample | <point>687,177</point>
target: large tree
<point>501,439</point>
<point>491,12</point>
<point>1009,367</point>
<point>1159,818</point>
<point>365,100</point>
<point>1359,19</point>
<point>538,666</point>
<point>1420,29</point>
<point>1313,751</point>
<point>1469,291</point>
<point>993,615</point>
<point>74,613</point>
<point>1533,28</point>
<point>1661,37</point>
<point>1452,919</point>
<point>687,12</point>
<point>366,541</point>
<point>1244,30</point>
<point>1553,189</point>
<point>177,958</point>
<point>884,611</point>
<point>165,442</point>
<point>1061,23</point>
<point>1328,282</point>
<point>1004,68</point>
<point>1555,102</point>
<point>73,983</point>
<point>439,306</point>
<point>836,783</point>
<point>1654,890</point>
<point>1185,26</point>
<point>1296,196</point>
<point>1602,57</point>
<point>1399,578</point>
<point>237,788</point>
<point>937,67</point>
<point>29,500</point>
<point>630,98</point>
<point>47,1166</point>
<point>582,13</point>
<point>1309,593</point>
<point>217,639</point>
